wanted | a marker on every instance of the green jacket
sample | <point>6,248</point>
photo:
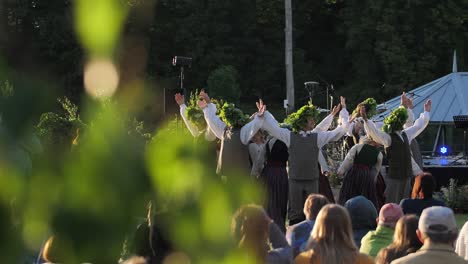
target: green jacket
<point>374,241</point>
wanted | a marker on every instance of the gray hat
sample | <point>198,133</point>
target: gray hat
<point>437,220</point>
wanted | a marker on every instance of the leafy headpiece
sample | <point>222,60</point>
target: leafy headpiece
<point>395,121</point>
<point>299,119</point>
<point>370,105</point>
<point>194,113</point>
<point>232,116</point>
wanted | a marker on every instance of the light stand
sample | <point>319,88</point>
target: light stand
<point>311,87</point>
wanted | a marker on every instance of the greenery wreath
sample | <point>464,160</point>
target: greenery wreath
<point>232,116</point>
<point>194,113</point>
<point>299,119</point>
<point>395,121</point>
<point>371,107</point>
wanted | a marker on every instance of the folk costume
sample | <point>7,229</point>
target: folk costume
<point>235,132</point>
<point>396,141</point>
<point>360,167</point>
<point>304,147</point>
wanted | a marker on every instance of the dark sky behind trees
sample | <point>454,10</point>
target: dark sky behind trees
<point>356,45</point>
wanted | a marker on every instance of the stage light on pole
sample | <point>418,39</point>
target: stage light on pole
<point>443,150</point>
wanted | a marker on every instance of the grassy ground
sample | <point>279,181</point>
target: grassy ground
<point>461,219</point>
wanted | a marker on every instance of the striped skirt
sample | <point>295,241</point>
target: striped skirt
<point>358,181</point>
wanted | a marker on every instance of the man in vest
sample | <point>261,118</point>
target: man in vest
<point>396,140</point>
<point>304,144</point>
<point>235,132</point>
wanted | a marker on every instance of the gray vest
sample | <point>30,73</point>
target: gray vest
<point>399,157</point>
<point>233,156</point>
<point>303,157</point>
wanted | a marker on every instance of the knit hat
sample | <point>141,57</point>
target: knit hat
<point>389,214</point>
<point>438,220</point>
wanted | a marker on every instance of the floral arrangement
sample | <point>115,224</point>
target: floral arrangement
<point>232,116</point>
<point>395,121</point>
<point>299,119</point>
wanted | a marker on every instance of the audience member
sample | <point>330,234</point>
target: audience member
<point>374,241</point>
<point>462,242</point>
<point>405,240</point>
<point>363,215</point>
<point>254,232</point>
<point>421,196</point>
<point>332,239</point>
<point>297,235</point>
<point>438,231</point>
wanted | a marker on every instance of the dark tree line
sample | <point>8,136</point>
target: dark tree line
<point>356,45</point>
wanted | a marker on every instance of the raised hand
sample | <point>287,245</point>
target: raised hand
<point>410,103</point>
<point>428,105</point>
<point>180,99</point>
<point>343,102</point>
<point>336,109</point>
<point>261,107</point>
<point>204,96</point>
<point>404,101</point>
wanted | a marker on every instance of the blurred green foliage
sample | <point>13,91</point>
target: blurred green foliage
<point>223,83</point>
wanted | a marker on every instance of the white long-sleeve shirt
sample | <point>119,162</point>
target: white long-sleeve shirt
<point>323,137</point>
<point>257,154</point>
<point>209,135</point>
<point>217,126</point>
<point>411,132</point>
<point>349,160</point>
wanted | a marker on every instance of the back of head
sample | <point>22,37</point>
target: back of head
<point>405,240</point>
<point>249,228</point>
<point>313,204</point>
<point>405,236</point>
<point>424,186</point>
<point>332,236</point>
<point>389,215</point>
<point>437,223</point>
<point>362,212</point>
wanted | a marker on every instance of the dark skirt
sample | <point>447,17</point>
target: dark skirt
<point>325,188</point>
<point>358,181</point>
<point>275,180</point>
<point>380,190</point>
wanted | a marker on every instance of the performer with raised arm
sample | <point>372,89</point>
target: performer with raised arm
<point>196,127</point>
<point>235,132</point>
<point>304,144</point>
<point>396,141</point>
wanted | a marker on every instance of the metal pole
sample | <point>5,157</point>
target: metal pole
<point>289,56</point>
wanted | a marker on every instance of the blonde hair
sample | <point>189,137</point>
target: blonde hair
<point>332,236</point>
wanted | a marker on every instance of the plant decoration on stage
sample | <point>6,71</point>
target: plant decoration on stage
<point>371,107</point>
<point>395,121</point>
<point>232,116</point>
<point>299,119</point>
<point>194,113</point>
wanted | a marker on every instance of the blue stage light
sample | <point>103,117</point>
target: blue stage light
<point>443,150</point>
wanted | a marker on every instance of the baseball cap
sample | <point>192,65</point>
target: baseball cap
<point>389,214</point>
<point>437,219</point>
